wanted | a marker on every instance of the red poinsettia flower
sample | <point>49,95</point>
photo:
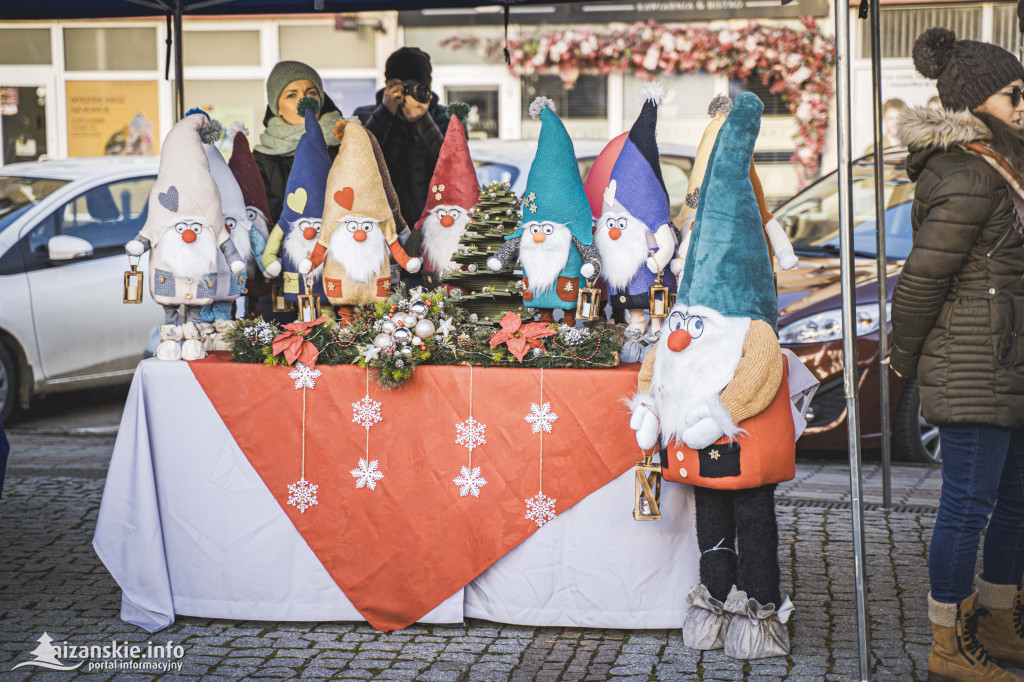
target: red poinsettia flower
<point>292,343</point>
<point>519,337</point>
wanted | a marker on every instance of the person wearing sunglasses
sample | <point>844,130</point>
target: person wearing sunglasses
<point>958,331</point>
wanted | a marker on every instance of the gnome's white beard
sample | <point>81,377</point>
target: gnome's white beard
<point>240,238</point>
<point>361,261</point>
<point>191,261</point>
<point>440,242</point>
<point>622,257</point>
<point>696,375</point>
<point>298,248</point>
<point>543,261</point>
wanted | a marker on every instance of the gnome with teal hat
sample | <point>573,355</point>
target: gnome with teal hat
<point>716,393</point>
<point>293,238</point>
<point>554,242</point>
<point>634,233</point>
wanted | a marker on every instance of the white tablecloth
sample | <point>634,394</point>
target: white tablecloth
<point>187,527</point>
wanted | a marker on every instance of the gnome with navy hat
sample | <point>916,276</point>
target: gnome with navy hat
<point>185,230</point>
<point>293,238</point>
<point>634,232</point>
<point>716,392</point>
<point>554,243</point>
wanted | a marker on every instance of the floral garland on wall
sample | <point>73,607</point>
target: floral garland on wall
<point>797,64</point>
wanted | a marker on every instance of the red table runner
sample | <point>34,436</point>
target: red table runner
<point>403,547</point>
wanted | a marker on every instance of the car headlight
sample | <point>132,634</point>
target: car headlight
<point>828,325</point>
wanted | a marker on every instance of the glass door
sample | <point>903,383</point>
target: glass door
<point>23,122</point>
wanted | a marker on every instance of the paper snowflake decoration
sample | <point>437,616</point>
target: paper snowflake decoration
<point>366,412</point>
<point>541,417</point>
<point>305,377</point>
<point>445,327</point>
<point>540,509</point>
<point>302,494</point>
<point>470,482</point>
<point>369,352</point>
<point>470,434</point>
<point>367,474</point>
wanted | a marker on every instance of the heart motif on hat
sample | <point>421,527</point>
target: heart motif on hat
<point>345,197</point>
<point>297,200</point>
<point>169,199</point>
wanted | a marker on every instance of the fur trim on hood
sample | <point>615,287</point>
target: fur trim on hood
<point>923,128</point>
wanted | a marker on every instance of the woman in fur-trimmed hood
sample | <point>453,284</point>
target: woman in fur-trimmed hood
<point>958,327</point>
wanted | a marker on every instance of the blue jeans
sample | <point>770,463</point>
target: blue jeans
<point>982,475</point>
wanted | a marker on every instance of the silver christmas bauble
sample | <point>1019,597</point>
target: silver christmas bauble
<point>406,351</point>
<point>382,340</point>
<point>399,363</point>
<point>425,329</point>
<point>409,320</point>
<point>474,318</point>
<point>416,340</point>
<point>471,267</point>
<point>401,335</point>
<point>419,309</point>
<point>387,327</point>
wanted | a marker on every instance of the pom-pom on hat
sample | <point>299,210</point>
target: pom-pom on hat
<point>307,181</point>
<point>728,268</point>
<point>355,185</point>
<point>967,72</point>
<point>454,181</point>
<point>247,173</point>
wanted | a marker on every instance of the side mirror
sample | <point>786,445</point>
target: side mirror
<point>64,247</point>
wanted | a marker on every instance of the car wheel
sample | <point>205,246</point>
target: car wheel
<point>8,384</point>
<point>913,437</point>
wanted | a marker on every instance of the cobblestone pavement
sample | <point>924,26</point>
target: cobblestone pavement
<point>52,581</point>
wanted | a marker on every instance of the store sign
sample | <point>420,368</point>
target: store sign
<point>112,118</point>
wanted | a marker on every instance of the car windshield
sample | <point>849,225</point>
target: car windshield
<point>811,218</point>
<point>490,171</point>
<point>18,193</point>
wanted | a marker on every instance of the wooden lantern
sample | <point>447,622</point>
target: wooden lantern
<point>660,302</point>
<point>132,283</point>
<point>588,303</point>
<point>279,302</point>
<point>309,303</point>
<point>647,502</point>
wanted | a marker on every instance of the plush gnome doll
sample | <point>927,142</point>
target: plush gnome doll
<point>254,193</point>
<point>358,233</point>
<point>634,234</point>
<point>453,193</point>
<point>554,243</point>
<point>715,391</point>
<point>185,229</point>
<point>293,238</point>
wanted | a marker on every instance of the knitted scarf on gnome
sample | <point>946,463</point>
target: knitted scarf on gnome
<point>281,138</point>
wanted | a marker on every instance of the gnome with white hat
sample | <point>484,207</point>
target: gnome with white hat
<point>634,232</point>
<point>359,232</point>
<point>717,392</point>
<point>554,243</point>
<point>185,229</point>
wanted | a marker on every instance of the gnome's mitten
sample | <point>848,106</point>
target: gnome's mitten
<point>706,620</point>
<point>508,252</point>
<point>758,630</point>
<point>170,342</point>
<point>231,255</point>
<point>192,346</point>
<point>757,535</point>
<point>137,246</point>
<point>716,539</point>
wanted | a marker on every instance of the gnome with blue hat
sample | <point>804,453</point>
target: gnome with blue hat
<point>716,391</point>
<point>554,242</point>
<point>634,233</point>
<point>293,238</point>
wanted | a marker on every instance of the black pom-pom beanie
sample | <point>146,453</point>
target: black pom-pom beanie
<point>967,72</point>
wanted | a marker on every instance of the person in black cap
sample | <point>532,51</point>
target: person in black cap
<point>409,123</point>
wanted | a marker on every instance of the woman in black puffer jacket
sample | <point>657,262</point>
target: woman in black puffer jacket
<point>958,326</point>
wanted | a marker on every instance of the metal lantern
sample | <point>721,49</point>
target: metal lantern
<point>133,282</point>
<point>659,299</point>
<point>588,302</point>
<point>278,301</point>
<point>309,303</point>
<point>647,502</point>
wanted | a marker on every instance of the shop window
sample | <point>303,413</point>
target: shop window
<point>110,49</point>
<point>774,105</point>
<point>228,101</point>
<point>483,117</point>
<point>23,122</point>
<point>583,109</point>
<point>221,48</point>
<point>323,47</point>
<point>1004,28</point>
<point>429,38</point>
<point>25,46</point>
<point>900,27</point>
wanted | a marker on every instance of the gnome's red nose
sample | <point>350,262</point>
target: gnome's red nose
<point>309,232</point>
<point>678,340</point>
<point>539,237</point>
<point>189,236</point>
<point>615,233</point>
<point>227,227</point>
<point>447,221</point>
<point>359,235</point>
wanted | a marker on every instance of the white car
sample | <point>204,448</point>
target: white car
<point>63,323</point>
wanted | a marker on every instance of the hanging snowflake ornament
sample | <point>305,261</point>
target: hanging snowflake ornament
<point>541,417</point>
<point>367,474</point>
<point>305,377</point>
<point>470,482</point>
<point>470,433</point>
<point>302,494</point>
<point>366,412</point>
<point>540,509</point>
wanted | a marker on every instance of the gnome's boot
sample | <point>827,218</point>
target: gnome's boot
<point>706,620</point>
<point>547,316</point>
<point>207,334</point>
<point>170,342</point>
<point>192,346</point>
<point>346,314</point>
<point>222,327</point>
<point>1001,621</point>
<point>756,630</point>
<point>569,318</point>
<point>956,654</point>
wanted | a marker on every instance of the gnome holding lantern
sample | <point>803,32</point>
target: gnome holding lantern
<point>358,233</point>
<point>554,243</point>
<point>453,193</point>
<point>716,390</point>
<point>185,229</point>
<point>634,232</point>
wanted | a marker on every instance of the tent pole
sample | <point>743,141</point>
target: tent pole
<point>179,68</point>
<point>883,279</point>
<point>850,369</point>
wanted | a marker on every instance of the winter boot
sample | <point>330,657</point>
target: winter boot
<point>222,327</point>
<point>192,346</point>
<point>1001,621</point>
<point>756,630</point>
<point>956,654</point>
<point>170,342</point>
<point>706,620</point>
